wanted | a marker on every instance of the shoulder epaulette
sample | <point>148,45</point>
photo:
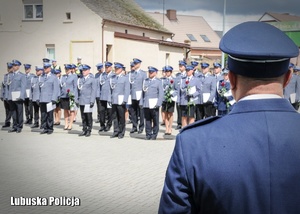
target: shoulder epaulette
<point>200,123</point>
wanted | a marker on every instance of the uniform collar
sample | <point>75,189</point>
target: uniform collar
<point>260,97</point>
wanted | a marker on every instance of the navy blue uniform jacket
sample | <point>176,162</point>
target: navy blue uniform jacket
<point>245,162</point>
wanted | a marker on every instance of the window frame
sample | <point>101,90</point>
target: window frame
<point>205,38</point>
<point>191,37</point>
<point>34,11</point>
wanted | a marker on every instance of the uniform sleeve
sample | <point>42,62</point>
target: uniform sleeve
<point>127,89</point>
<point>94,90</point>
<point>23,87</point>
<point>213,88</point>
<point>160,94</point>
<point>298,89</point>
<point>56,91</point>
<point>75,89</point>
<point>176,195</point>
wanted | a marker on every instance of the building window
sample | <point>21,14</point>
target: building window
<point>33,9</point>
<point>143,34</point>
<point>191,37</point>
<point>205,38</point>
<point>126,31</point>
<point>167,62</point>
<point>50,51</point>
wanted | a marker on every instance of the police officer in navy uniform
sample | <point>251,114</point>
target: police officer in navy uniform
<point>182,66</point>
<point>16,96</point>
<point>205,107</point>
<point>292,90</point>
<point>87,96</point>
<point>105,98</point>
<point>35,95</point>
<point>252,164</point>
<point>136,79</point>
<point>99,67</point>
<point>49,93</point>
<point>27,103</point>
<point>151,100</point>
<point>120,87</point>
<point>4,94</point>
<point>224,100</point>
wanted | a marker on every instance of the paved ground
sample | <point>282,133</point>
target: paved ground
<point>108,175</point>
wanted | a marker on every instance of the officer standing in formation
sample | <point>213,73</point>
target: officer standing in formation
<point>87,96</point>
<point>252,164</point>
<point>16,96</point>
<point>49,93</point>
<point>99,67</point>
<point>189,92</point>
<point>105,98</point>
<point>292,90</point>
<point>136,79</point>
<point>170,96</point>
<point>179,77</point>
<point>35,95</point>
<point>4,94</point>
<point>120,88</point>
<point>224,100</point>
<point>150,101</point>
<point>68,96</point>
<point>27,102</point>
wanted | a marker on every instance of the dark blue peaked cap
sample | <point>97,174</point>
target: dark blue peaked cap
<point>258,50</point>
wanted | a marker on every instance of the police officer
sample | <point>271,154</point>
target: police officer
<point>120,87</point>
<point>54,65</point>
<point>27,102</point>
<point>251,165</point>
<point>35,95</point>
<point>224,100</point>
<point>16,96</point>
<point>136,79</point>
<point>49,93</point>
<point>4,94</point>
<point>87,97</point>
<point>292,90</point>
<point>170,96</point>
<point>99,67</point>
<point>105,98</point>
<point>77,71</point>
<point>196,70</point>
<point>205,107</point>
<point>189,91</point>
<point>57,111</point>
<point>151,100</point>
<point>179,76</point>
<point>217,71</point>
<point>68,96</point>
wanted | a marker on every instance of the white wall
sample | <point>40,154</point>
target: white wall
<point>26,40</point>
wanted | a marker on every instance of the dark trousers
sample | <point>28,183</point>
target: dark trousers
<point>98,108</point>
<point>46,118</point>
<point>7,112</point>
<point>87,120</point>
<point>36,113</point>
<point>17,114</point>
<point>137,115</point>
<point>204,111</point>
<point>179,114</point>
<point>152,118</point>
<point>103,112</point>
<point>28,109</point>
<point>118,115</point>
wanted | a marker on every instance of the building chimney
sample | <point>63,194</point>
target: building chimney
<point>171,14</point>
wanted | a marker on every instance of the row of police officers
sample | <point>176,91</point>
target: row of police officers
<point>197,94</point>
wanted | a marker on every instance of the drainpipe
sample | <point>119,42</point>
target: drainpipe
<point>103,24</point>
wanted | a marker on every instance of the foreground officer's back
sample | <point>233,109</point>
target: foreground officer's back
<point>252,166</point>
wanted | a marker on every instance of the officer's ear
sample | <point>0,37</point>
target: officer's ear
<point>287,77</point>
<point>232,78</point>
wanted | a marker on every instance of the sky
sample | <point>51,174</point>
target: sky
<point>237,11</point>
